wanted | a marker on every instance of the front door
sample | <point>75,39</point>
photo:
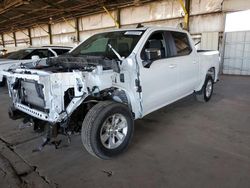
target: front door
<point>159,81</point>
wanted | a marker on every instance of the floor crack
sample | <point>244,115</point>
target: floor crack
<point>24,174</point>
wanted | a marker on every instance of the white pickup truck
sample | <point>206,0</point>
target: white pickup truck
<point>110,80</point>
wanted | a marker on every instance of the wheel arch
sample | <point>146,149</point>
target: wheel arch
<point>121,95</point>
<point>209,72</point>
<point>116,94</point>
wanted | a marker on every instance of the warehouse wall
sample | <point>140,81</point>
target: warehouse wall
<point>205,16</point>
<point>233,5</point>
<point>96,23</point>
<point>39,35</point>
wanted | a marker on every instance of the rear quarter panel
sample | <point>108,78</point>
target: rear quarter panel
<point>208,60</point>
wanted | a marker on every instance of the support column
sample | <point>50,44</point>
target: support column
<point>77,30</point>
<point>14,37</point>
<point>30,38</point>
<point>50,33</point>
<point>117,24</point>
<point>118,17</point>
<point>186,9</point>
<point>188,3</point>
<point>3,40</point>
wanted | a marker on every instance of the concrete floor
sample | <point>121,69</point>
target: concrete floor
<point>187,144</point>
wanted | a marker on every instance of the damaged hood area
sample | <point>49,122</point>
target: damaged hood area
<point>86,63</point>
<point>67,64</point>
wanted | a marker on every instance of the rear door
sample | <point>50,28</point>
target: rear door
<point>187,60</point>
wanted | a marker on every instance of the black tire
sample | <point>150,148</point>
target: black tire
<point>202,94</point>
<point>3,83</point>
<point>93,123</point>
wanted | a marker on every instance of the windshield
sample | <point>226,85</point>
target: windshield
<point>122,41</point>
<point>20,54</point>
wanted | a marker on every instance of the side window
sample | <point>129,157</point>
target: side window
<point>155,47</point>
<point>181,43</point>
<point>60,51</point>
<point>42,53</point>
<point>50,54</point>
<point>64,51</point>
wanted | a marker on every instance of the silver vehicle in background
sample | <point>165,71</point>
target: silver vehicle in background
<point>30,57</point>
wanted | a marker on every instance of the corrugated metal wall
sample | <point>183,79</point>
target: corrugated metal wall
<point>210,41</point>
<point>237,53</point>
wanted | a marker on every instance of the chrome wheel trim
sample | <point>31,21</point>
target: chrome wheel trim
<point>114,131</point>
<point>209,88</point>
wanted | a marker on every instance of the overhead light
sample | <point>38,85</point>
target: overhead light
<point>51,21</point>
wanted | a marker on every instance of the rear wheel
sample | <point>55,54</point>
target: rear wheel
<point>107,129</point>
<point>205,94</point>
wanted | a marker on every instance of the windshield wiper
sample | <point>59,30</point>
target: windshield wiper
<point>115,52</point>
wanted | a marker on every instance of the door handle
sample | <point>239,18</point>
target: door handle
<point>172,66</point>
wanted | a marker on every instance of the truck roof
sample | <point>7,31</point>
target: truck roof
<point>148,28</point>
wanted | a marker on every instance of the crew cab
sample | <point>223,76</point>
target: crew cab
<point>110,80</point>
<point>29,57</point>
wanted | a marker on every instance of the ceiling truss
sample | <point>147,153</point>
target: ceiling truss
<point>22,14</point>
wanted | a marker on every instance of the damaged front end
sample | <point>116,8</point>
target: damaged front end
<point>53,93</point>
<point>41,94</point>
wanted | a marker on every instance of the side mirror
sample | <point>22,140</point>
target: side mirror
<point>153,54</point>
<point>35,57</point>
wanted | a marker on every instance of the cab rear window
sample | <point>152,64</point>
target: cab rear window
<point>181,43</point>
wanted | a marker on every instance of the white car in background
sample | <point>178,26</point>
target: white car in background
<point>30,57</point>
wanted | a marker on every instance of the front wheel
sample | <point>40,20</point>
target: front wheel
<point>107,129</point>
<point>205,94</point>
<point>3,82</point>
